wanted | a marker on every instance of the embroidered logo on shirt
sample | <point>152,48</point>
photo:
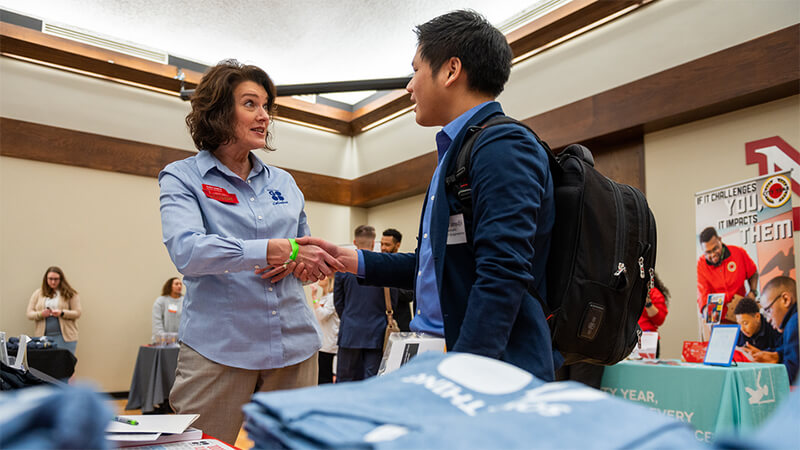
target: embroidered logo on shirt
<point>219,194</point>
<point>732,266</point>
<point>277,197</point>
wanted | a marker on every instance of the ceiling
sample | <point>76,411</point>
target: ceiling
<point>295,41</point>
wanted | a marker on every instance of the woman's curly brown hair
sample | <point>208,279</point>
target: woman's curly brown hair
<point>211,120</point>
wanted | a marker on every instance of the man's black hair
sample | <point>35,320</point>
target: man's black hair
<point>483,50</point>
<point>707,234</point>
<point>746,306</point>
<point>396,235</point>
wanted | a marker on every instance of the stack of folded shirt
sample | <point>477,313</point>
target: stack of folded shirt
<point>53,417</point>
<point>457,401</point>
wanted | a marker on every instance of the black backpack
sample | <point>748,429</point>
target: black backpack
<point>602,253</point>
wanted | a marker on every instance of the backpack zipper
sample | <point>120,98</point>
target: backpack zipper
<point>620,234</point>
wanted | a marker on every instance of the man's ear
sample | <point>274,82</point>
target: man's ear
<point>453,70</point>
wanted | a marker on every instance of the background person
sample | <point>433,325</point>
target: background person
<point>756,330</point>
<point>779,302</point>
<point>225,213</point>
<point>167,308</point>
<point>724,269</point>
<point>362,311</point>
<point>390,243</point>
<point>655,310</point>
<point>55,308</point>
<point>325,311</point>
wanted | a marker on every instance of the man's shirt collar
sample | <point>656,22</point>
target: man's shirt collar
<point>445,137</point>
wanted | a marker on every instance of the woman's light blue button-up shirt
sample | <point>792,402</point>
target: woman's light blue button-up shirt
<point>230,315</point>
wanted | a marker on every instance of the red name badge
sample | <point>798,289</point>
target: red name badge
<point>219,194</point>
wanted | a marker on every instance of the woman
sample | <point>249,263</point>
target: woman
<point>324,309</point>
<point>224,214</point>
<point>655,310</point>
<point>55,308</point>
<point>167,308</point>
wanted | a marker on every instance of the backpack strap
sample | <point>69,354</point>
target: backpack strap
<point>459,183</point>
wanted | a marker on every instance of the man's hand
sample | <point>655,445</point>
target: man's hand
<point>346,256</point>
<point>762,356</point>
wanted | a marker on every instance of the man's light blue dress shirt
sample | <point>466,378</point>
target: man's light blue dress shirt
<point>230,315</point>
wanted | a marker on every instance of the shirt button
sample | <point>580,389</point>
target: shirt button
<point>425,236</point>
<point>257,266</point>
<point>270,289</point>
<point>432,197</point>
<point>259,217</point>
<point>419,311</point>
<point>252,199</point>
<point>274,312</point>
<point>419,274</point>
<point>226,271</point>
<point>249,181</point>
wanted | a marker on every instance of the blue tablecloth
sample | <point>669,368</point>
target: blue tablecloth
<point>712,399</point>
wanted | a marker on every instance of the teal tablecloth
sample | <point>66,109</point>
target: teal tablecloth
<point>712,399</point>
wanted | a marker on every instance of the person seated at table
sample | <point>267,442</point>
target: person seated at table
<point>779,301</point>
<point>167,308</point>
<point>55,309</point>
<point>756,331</point>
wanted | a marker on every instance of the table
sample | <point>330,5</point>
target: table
<point>712,399</point>
<point>152,377</point>
<point>57,362</point>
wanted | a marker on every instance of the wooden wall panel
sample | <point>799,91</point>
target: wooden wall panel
<point>393,183</point>
<point>757,71</point>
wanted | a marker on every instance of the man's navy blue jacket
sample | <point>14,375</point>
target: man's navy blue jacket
<point>362,312</point>
<point>789,350</point>
<point>483,284</point>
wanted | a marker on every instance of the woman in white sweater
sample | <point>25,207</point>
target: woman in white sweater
<point>167,308</point>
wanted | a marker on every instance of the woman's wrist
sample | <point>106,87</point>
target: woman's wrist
<point>278,251</point>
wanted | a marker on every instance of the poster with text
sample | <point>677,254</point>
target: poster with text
<point>755,215</point>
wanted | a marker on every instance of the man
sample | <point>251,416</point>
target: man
<point>390,243</point>
<point>362,314</point>
<point>756,331</point>
<point>723,269</point>
<point>779,302</point>
<point>472,277</point>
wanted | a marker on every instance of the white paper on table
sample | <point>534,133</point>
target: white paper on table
<point>153,423</point>
<point>133,437</point>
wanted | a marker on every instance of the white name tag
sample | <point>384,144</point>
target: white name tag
<point>456,233</point>
<point>172,308</point>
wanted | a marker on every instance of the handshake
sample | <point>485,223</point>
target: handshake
<point>315,259</point>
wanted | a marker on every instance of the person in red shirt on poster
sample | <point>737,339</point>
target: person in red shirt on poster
<point>655,309</point>
<point>724,269</point>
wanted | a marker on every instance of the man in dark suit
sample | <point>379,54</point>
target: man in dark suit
<point>362,314</point>
<point>472,277</point>
<point>390,243</point>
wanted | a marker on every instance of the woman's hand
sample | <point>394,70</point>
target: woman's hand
<point>46,313</point>
<point>311,264</point>
<point>55,313</point>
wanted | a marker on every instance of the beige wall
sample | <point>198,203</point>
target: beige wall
<point>691,158</point>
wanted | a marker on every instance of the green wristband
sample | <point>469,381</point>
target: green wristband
<point>295,249</point>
